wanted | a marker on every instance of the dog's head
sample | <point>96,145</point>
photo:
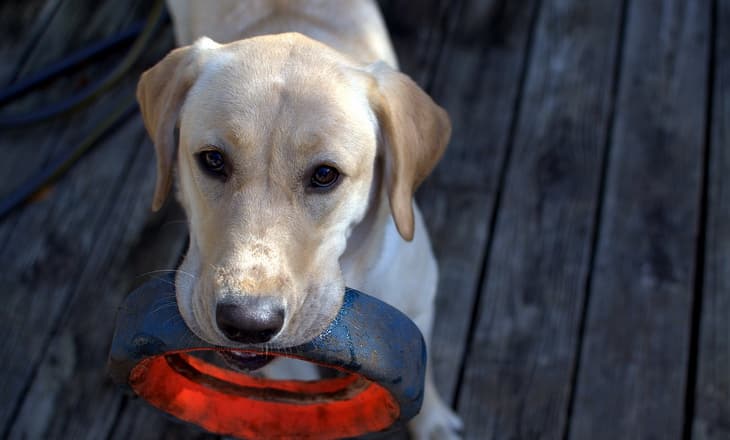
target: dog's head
<point>279,137</point>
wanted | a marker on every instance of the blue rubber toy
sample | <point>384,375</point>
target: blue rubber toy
<point>379,350</point>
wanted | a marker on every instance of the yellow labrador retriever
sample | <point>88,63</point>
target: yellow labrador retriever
<point>300,147</point>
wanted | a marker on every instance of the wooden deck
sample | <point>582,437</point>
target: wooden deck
<point>581,218</point>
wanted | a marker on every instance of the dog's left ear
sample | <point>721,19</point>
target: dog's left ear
<point>414,132</point>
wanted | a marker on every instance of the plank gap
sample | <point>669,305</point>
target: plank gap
<point>118,415</point>
<point>606,161</point>
<point>40,27</point>
<point>637,325</point>
<point>445,29</point>
<point>699,257</point>
<point>76,277</point>
<point>501,183</point>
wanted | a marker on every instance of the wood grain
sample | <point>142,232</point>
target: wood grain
<point>71,237</point>
<point>478,85</point>
<point>643,279</point>
<point>39,252</point>
<point>24,24</point>
<point>526,217</point>
<point>517,377</point>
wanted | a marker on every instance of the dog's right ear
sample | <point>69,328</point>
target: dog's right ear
<point>161,93</point>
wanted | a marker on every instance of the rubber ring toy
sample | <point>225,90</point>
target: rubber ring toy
<point>380,351</point>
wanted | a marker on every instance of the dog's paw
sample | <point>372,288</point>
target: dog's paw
<point>435,422</point>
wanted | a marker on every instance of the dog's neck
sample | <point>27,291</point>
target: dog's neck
<point>377,257</point>
<point>367,239</point>
<point>353,28</point>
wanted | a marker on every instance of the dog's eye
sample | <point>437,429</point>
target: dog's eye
<point>213,162</point>
<point>324,176</point>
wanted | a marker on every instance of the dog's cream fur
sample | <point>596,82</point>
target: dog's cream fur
<point>298,84</point>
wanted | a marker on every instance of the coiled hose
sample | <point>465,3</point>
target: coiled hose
<point>59,166</point>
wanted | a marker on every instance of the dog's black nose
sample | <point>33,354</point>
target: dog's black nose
<point>250,320</point>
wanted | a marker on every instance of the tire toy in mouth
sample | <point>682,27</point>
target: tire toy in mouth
<point>379,351</point>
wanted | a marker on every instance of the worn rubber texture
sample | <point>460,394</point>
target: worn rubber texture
<point>381,351</point>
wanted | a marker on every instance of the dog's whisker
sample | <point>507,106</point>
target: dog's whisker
<point>172,319</point>
<point>164,280</point>
<point>155,272</point>
<point>191,275</point>
<point>167,302</point>
<point>166,271</point>
<point>172,305</point>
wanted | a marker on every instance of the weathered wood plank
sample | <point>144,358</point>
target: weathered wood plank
<point>46,270</point>
<point>40,274</point>
<point>77,24</point>
<point>73,25</point>
<point>90,407</point>
<point>68,30</point>
<point>712,393</point>
<point>142,422</point>
<point>48,386</point>
<point>418,31</point>
<point>24,23</point>
<point>633,366</point>
<point>477,82</point>
<point>517,377</point>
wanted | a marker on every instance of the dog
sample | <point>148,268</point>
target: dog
<point>299,147</point>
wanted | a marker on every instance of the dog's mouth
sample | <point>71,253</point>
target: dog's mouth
<point>244,360</point>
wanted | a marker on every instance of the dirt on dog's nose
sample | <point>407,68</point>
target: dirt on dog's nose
<point>250,320</point>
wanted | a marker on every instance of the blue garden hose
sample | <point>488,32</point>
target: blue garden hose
<point>20,88</point>
<point>90,93</point>
<point>121,113</point>
<point>60,165</point>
